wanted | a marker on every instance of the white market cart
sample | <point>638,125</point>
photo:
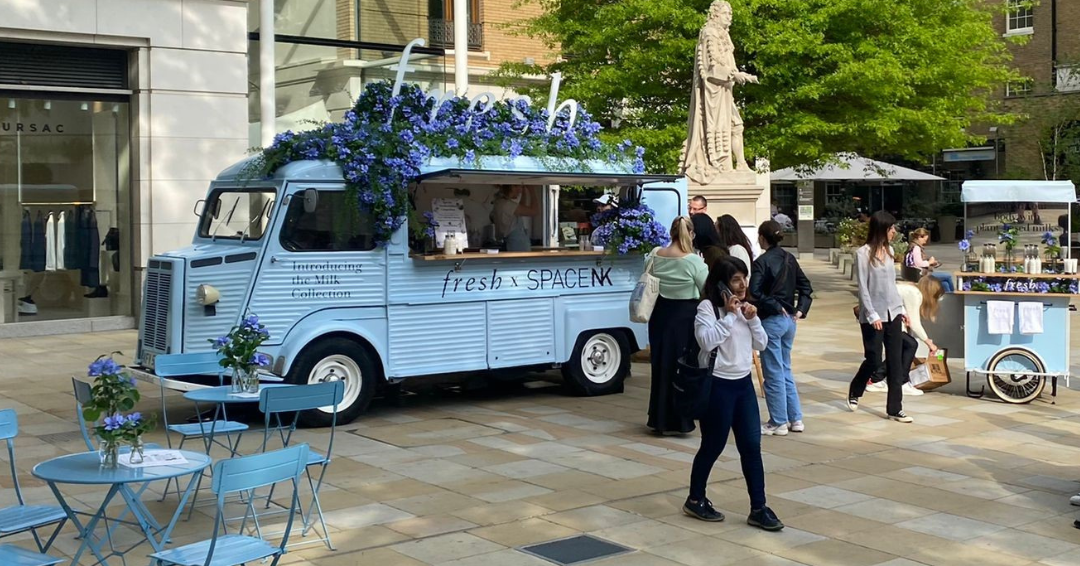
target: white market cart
<point>1016,366</point>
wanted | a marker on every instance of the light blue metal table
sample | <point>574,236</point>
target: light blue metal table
<point>85,469</point>
<point>221,396</point>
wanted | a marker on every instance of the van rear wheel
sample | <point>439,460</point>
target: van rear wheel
<point>336,359</point>
<point>599,364</point>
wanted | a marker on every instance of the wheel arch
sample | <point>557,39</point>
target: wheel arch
<point>301,339</point>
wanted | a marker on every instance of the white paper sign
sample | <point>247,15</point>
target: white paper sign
<point>449,213</point>
<point>154,458</point>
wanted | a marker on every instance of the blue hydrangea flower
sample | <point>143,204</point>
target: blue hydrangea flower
<point>134,418</point>
<point>114,422</point>
<point>221,342</point>
<point>259,359</point>
<point>964,246</point>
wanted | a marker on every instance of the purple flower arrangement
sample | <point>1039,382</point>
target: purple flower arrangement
<point>113,394</point>
<point>628,229</point>
<point>1021,285</point>
<point>239,348</point>
<point>383,141</point>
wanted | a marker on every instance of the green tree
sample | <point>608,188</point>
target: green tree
<point>900,77</point>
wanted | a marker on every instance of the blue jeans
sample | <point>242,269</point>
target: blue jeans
<point>781,396</point>
<point>732,408</point>
<point>945,278</point>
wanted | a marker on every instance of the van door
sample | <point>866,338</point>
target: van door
<point>316,261</point>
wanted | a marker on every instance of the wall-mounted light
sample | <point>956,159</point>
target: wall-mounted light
<point>530,61</point>
<point>84,107</point>
<point>115,108</point>
<point>48,105</point>
<point>11,103</point>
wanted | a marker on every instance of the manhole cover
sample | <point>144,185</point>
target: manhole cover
<point>575,550</point>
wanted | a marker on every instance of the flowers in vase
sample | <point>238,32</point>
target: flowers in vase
<point>965,244</point>
<point>1008,237</point>
<point>113,395</point>
<point>1051,243</point>
<point>239,348</point>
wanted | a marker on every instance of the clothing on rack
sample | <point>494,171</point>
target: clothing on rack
<point>38,245</point>
<point>26,242</point>
<point>89,248</point>
<point>50,243</point>
<point>61,241</point>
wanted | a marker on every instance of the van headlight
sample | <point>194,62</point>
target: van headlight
<point>207,295</point>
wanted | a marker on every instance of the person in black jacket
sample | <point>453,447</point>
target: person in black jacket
<point>783,295</point>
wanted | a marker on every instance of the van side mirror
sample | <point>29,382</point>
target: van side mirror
<point>311,200</point>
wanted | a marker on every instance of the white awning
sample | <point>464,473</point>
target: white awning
<point>852,167</point>
<point>1018,191</point>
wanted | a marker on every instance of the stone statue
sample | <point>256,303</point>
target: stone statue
<point>714,143</point>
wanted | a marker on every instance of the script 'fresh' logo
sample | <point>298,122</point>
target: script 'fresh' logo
<point>533,280</point>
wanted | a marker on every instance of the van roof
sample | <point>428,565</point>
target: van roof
<point>562,171</point>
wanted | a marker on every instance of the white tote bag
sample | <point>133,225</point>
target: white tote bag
<point>643,299</point>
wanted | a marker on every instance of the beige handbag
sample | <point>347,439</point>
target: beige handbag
<point>643,299</point>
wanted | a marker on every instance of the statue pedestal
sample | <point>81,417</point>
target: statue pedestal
<point>742,194</point>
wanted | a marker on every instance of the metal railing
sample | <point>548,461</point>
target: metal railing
<point>441,33</point>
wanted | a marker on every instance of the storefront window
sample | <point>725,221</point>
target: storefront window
<point>65,213</point>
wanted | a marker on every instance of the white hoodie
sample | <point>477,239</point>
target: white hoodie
<point>734,338</point>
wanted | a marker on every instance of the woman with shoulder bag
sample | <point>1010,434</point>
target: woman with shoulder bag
<point>681,273</point>
<point>882,316</point>
<point>783,295</point>
<point>732,403</point>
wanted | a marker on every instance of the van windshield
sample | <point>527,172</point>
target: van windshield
<point>237,214</point>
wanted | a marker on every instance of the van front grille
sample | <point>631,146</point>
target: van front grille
<point>155,322</point>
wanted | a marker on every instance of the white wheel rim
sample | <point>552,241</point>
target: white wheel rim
<point>601,358</point>
<point>338,367</point>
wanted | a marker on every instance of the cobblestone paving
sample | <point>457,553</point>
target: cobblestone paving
<point>463,478</point>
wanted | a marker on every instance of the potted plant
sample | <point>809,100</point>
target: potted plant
<point>851,234</point>
<point>239,350</point>
<point>113,396</point>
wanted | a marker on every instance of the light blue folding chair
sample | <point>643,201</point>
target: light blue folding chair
<point>274,402</point>
<point>243,474</point>
<point>11,555</point>
<point>22,517</point>
<point>200,430</point>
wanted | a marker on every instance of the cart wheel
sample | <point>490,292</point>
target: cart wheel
<point>1018,387</point>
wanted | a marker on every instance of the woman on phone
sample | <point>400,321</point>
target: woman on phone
<point>671,327</point>
<point>732,403</point>
<point>882,316</point>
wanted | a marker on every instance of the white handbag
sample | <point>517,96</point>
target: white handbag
<point>643,299</point>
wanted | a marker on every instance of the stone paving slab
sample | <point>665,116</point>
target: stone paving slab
<point>465,478</point>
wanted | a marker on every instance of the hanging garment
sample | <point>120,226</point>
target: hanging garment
<point>50,243</point>
<point>1031,317</point>
<point>38,247</point>
<point>90,254</point>
<point>999,316</point>
<point>61,241</point>
<point>72,234</point>
<point>26,242</point>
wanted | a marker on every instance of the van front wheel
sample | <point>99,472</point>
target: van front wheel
<point>336,359</point>
<point>599,364</point>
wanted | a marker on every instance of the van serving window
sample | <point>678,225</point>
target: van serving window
<point>336,225</point>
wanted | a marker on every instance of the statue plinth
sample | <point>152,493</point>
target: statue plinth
<point>743,194</point>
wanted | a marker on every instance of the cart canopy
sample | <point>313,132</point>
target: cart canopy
<point>1018,191</point>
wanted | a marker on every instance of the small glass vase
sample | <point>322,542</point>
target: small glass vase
<point>251,383</point>
<point>109,453</point>
<point>138,450</point>
<point>239,378</point>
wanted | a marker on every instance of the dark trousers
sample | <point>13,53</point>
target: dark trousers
<point>891,336</point>
<point>733,407</point>
<point>908,349</point>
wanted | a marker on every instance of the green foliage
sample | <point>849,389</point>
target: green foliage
<point>851,233</point>
<point>903,78</point>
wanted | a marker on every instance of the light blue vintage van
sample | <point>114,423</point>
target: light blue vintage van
<point>291,250</point>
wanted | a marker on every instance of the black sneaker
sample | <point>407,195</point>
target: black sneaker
<point>1076,523</point>
<point>764,518</point>
<point>702,510</point>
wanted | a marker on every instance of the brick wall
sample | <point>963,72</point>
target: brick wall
<point>503,45</point>
<point>1034,58</point>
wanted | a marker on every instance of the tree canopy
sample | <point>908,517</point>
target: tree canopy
<point>903,78</point>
